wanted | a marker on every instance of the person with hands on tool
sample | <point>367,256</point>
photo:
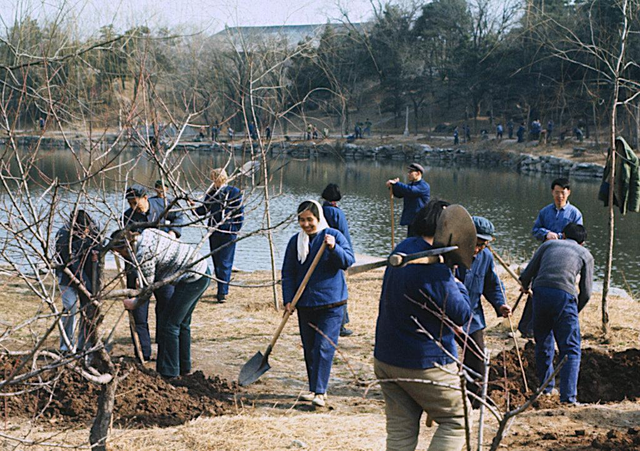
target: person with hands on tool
<point>421,292</point>
<point>416,194</point>
<point>556,304</point>
<point>554,217</point>
<point>143,209</point>
<point>161,257</point>
<point>481,280</point>
<point>320,308</point>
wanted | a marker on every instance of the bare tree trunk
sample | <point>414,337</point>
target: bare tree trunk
<point>106,402</point>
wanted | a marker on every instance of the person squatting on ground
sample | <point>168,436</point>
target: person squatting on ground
<point>149,210</point>
<point>480,280</point>
<point>223,206</point>
<point>402,352</point>
<point>75,242</point>
<point>416,194</point>
<point>324,299</point>
<point>159,257</point>
<point>556,304</point>
<point>553,218</point>
<point>337,220</point>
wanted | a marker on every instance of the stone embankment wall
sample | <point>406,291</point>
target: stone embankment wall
<point>524,163</point>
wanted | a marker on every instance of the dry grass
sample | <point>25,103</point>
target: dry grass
<point>268,414</point>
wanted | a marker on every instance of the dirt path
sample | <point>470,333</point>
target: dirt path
<point>269,415</point>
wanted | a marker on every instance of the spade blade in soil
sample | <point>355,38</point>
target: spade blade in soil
<point>253,369</point>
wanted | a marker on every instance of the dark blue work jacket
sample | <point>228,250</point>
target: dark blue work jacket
<point>480,280</point>
<point>173,220</point>
<point>224,208</point>
<point>416,195</point>
<point>398,341</point>
<point>327,285</point>
<point>337,220</point>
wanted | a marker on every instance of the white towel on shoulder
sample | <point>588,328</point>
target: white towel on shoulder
<point>303,238</point>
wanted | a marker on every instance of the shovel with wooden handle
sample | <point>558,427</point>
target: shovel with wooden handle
<point>132,322</point>
<point>259,363</point>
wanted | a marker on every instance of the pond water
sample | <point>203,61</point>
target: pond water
<point>509,199</point>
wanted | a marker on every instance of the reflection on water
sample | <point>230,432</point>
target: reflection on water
<point>509,199</point>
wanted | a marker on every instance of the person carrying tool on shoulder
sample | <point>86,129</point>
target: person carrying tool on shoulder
<point>416,194</point>
<point>325,296</point>
<point>481,280</point>
<point>225,210</point>
<point>556,304</point>
<point>401,352</point>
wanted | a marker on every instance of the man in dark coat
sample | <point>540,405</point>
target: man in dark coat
<point>166,218</point>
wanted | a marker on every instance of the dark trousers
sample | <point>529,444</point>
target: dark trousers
<point>141,317</point>
<point>174,328</point>
<point>473,359</point>
<point>225,243</point>
<point>318,351</point>
<point>555,314</point>
<point>525,326</point>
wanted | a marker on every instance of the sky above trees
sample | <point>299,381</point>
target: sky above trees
<point>211,15</point>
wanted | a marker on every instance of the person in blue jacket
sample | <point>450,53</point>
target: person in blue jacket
<point>553,218</point>
<point>416,194</point>
<point>481,280</point>
<point>415,294</point>
<point>223,206</point>
<point>325,296</point>
<point>165,217</point>
<point>337,220</point>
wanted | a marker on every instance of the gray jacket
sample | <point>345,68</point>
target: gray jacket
<point>556,264</point>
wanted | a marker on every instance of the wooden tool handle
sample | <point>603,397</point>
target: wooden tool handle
<point>132,322</point>
<point>296,298</point>
<point>505,266</point>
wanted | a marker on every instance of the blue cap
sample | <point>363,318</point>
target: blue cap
<point>484,228</point>
<point>135,191</point>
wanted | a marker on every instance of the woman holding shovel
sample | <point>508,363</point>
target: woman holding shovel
<point>321,305</point>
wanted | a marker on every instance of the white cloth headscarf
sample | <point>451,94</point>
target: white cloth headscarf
<point>303,238</point>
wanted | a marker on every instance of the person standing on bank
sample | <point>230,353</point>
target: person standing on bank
<point>161,257</point>
<point>553,218</point>
<point>143,209</point>
<point>416,194</point>
<point>323,301</point>
<point>223,206</point>
<point>481,280</point>
<point>556,305</point>
<point>401,352</point>
<point>75,241</point>
<point>337,220</point>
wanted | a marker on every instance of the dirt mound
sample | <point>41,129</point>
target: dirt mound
<point>143,398</point>
<point>618,441</point>
<point>604,377</point>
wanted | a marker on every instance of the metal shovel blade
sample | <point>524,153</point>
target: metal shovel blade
<point>253,369</point>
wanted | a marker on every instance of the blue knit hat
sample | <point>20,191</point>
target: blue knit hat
<point>484,228</point>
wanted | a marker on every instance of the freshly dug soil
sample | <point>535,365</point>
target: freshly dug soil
<point>143,398</point>
<point>604,377</point>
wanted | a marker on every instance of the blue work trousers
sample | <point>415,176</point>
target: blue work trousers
<point>174,327</point>
<point>141,317</point>
<point>555,314</point>
<point>318,351</point>
<point>223,258</point>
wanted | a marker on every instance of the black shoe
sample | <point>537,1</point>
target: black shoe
<point>344,332</point>
<point>222,298</point>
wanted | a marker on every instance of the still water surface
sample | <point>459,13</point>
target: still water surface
<point>508,199</point>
